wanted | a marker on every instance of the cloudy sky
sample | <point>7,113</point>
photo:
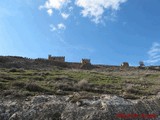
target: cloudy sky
<point>106,31</point>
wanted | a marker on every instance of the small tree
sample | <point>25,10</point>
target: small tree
<point>141,64</point>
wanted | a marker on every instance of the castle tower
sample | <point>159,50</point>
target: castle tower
<point>85,61</point>
<point>125,65</point>
<point>49,57</point>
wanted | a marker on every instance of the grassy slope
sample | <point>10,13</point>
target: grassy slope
<point>129,84</point>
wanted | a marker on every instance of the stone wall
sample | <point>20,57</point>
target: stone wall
<point>56,58</point>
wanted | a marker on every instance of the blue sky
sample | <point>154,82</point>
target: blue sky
<point>106,31</point>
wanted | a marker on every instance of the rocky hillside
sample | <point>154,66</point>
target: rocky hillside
<point>105,107</point>
<point>36,89</point>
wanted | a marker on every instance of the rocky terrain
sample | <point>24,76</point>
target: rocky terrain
<point>51,107</point>
<point>44,90</point>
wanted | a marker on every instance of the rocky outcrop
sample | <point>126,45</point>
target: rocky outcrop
<point>49,107</point>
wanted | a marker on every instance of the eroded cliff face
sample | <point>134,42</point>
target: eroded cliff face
<point>50,107</point>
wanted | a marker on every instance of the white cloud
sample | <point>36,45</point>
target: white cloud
<point>54,4</point>
<point>59,26</point>
<point>95,8</point>
<point>154,54</point>
<point>53,28</point>
<point>50,12</point>
<point>65,15</point>
<point>70,8</point>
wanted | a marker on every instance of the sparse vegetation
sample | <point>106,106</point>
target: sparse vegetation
<point>23,82</point>
<point>34,88</point>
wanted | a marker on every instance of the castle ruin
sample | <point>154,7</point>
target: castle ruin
<point>85,61</point>
<point>125,65</point>
<point>56,58</point>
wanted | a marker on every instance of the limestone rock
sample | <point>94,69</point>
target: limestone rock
<point>50,107</point>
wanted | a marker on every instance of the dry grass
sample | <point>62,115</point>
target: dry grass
<point>83,83</point>
<point>134,83</point>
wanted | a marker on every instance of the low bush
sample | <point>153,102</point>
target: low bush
<point>16,70</point>
<point>7,92</point>
<point>131,96</point>
<point>19,84</point>
<point>39,78</point>
<point>7,77</point>
<point>13,70</point>
<point>35,88</point>
<point>2,86</point>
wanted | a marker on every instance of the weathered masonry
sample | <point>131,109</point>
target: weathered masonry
<point>56,58</point>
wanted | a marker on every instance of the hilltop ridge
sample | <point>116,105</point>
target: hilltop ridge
<point>42,63</point>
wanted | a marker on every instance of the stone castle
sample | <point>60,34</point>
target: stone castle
<point>62,59</point>
<point>83,61</point>
<point>24,62</point>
